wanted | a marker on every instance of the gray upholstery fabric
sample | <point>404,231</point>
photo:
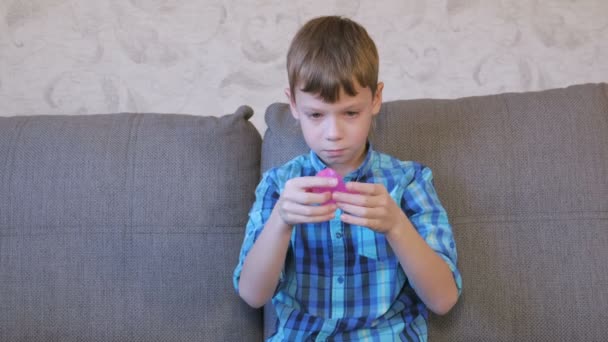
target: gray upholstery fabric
<point>524,178</point>
<point>125,227</point>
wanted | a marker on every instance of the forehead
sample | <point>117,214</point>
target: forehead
<point>315,101</point>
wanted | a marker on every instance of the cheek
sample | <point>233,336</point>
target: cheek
<point>363,130</point>
<point>310,132</point>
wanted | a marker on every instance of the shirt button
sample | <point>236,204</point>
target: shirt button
<point>340,279</point>
<point>338,235</point>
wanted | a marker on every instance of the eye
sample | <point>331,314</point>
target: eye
<point>315,115</point>
<point>352,113</point>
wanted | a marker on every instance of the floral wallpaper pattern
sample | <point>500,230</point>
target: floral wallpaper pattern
<point>209,57</point>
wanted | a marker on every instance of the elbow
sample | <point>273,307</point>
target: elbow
<point>444,305</point>
<point>252,301</point>
<point>251,297</point>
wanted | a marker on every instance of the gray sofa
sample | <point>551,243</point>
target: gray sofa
<point>127,227</point>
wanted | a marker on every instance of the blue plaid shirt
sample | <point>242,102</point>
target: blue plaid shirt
<point>343,282</point>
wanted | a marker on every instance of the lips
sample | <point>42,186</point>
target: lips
<point>335,153</point>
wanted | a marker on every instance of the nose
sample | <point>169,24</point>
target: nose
<point>333,129</point>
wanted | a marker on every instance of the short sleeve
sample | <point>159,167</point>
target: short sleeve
<point>422,206</point>
<point>266,196</point>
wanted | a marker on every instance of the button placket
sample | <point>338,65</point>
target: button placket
<point>338,266</point>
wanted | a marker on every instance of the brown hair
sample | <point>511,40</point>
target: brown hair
<point>330,53</point>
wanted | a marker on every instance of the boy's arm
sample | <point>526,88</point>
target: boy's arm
<point>257,279</point>
<point>423,243</point>
<point>262,266</point>
<point>428,273</point>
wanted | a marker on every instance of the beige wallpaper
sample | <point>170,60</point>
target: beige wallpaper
<point>208,57</point>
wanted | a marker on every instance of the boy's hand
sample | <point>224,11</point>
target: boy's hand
<point>372,207</point>
<point>298,204</point>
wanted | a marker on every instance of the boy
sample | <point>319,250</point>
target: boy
<point>345,266</point>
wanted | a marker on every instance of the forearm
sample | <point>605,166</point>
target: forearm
<point>425,269</point>
<point>264,262</point>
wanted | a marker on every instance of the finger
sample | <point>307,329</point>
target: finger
<point>368,201</point>
<point>359,221</point>
<point>296,219</point>
<point>313,219</point>
<point>365,188</point>
<point>313,181</point>
<point>309,198</point>
<point>355,210</point>
<point>309,210</point>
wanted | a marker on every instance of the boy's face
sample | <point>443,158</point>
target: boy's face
<point>337,132</point>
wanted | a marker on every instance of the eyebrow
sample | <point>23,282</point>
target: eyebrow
<point>346,108</point>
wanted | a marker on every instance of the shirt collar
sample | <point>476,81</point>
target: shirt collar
<point>319,165</point>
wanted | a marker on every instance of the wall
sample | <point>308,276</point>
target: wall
<point>209,57</point>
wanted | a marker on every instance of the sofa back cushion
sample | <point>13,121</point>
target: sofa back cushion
<point>125,227</point>
<point>524,178</point>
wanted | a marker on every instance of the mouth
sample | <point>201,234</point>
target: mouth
<point>335,152</point>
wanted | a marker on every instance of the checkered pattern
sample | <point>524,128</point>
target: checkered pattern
<point>344,282</point>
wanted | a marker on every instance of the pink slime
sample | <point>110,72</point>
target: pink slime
<point>330,173</point>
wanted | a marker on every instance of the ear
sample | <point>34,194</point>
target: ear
<point>292,104</point>
<point>377,100</point>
